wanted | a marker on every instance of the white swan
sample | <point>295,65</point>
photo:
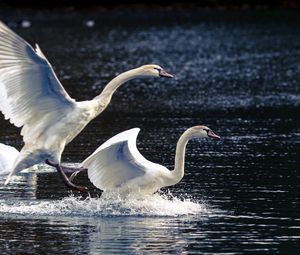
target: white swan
<point>8,155</point>
<point>32,97</point>
<point>118,165</point>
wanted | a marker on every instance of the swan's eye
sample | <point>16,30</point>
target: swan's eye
<point>206,129</point>
<point>158,69</point>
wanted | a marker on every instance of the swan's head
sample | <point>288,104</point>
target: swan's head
<point>203,131</point>
<point>154,71</point>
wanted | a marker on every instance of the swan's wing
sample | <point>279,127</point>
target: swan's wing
<point>30,93</point>
<point>117,161</point>
<point>8,155</point>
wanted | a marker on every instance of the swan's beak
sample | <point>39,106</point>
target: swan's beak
<point>163,73</point>
<point>211,134</point>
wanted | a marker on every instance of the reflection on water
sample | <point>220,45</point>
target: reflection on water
<point>238,74</point>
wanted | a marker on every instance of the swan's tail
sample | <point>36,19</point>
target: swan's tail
<point>8,179</point>
<point>19,166</point>
<point>14,171</point>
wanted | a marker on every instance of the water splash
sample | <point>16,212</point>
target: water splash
<point>109,205</point>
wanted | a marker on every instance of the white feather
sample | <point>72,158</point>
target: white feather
<point>8,155</point>
<point>30,93</point>
<point>118,163</point>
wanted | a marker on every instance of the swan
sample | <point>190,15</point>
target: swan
<point>32,97</point>
<point>117,165</point>
<point>8,155</point>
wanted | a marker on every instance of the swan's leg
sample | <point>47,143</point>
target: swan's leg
<point>74,174</point>
<point>65,177</point>
<point>68,169</point>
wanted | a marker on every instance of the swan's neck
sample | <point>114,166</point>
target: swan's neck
<point>104,98</point>
<point>178,172</point>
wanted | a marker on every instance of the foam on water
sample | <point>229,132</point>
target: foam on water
<point>154,205</point>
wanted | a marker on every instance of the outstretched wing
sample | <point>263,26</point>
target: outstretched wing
<point>30,93</point>
<point>117,161</point>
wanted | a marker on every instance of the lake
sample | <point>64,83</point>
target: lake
<point>237,72</point>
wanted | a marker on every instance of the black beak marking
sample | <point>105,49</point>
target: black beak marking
<point>163,73</point>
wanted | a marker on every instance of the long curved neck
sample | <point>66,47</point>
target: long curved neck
<point>104,98</point>
<point>178,172</point>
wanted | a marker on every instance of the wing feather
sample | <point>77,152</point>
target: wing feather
<point>116,162</point>
<point>30,93</point>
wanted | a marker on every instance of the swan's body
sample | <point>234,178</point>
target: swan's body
<point>8,155</point>
<point>118,165</point>
<point>32,97</point>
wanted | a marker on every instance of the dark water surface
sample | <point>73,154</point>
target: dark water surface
<point>238,73</point>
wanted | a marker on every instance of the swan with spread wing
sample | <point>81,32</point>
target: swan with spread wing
<point>118,165</point>
<point>32,97</point>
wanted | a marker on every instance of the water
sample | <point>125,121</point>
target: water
<point>238,73</point>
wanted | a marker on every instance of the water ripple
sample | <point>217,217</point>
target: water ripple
<point>112,205</point>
